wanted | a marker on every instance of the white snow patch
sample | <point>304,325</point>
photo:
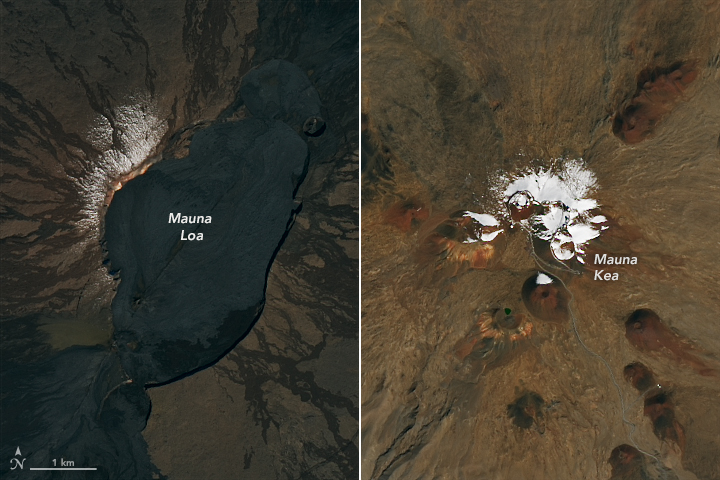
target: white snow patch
<point>582,232</point>
<point>542,279</point>
<point>564,192</point>
<point>483,219</point>
<point>489,237</point>
<point>139,130</point>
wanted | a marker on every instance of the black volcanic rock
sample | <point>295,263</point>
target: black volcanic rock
<point>182,303</point>
<point>92,416</point>
<point>280,90</point>
<point>287,394</point>
<point>87,93</point>
<point>78,81</point>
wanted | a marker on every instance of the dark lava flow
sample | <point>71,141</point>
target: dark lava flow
<point>180,305</point>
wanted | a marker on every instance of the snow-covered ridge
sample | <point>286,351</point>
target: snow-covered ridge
<point>554,204</point>
<point>138,130</point>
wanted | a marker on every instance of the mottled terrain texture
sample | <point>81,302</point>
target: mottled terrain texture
<point>476,369</point>
<point>115,115</point>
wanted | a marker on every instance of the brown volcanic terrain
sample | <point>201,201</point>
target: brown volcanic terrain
<point>456,96</point>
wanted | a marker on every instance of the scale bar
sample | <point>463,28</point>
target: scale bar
<point>66,468</point>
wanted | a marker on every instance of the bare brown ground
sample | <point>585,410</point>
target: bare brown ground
<point>455,93</point>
